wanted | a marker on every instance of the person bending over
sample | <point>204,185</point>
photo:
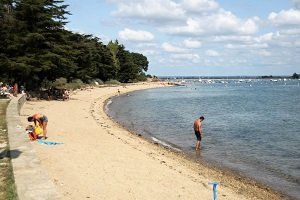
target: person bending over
<point>42,120</point>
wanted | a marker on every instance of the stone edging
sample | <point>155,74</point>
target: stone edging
<point>32,182</point>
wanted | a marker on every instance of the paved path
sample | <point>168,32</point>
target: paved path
<point>32,183</point>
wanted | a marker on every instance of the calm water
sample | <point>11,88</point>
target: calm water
<point>250,127</point>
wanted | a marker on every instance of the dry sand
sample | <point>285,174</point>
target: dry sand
<point>101,160</point>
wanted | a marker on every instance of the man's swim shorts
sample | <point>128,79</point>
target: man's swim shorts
<point>198,135</point>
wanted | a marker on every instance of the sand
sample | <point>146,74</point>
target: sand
<point>101,160</point>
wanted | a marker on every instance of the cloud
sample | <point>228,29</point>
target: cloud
<point>201,31</point>
<point>246,46</point>
<point>136,36</point>
<point>211,53</point>
<point>200,5</point>
<point>192,44</point>
<point>220,23</point>
<point>173,49</point>
<point>158,9</point>
<point>187,56</point>
<point>297,4</point>
<point>262,52</point>
<point>285,18</point>
<point>233,38</point>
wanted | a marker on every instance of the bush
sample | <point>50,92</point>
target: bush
<point>46,84</point>
<point>112,82</point>
<point>95,82</point>
<point>60,83</point>
<point>75,84</point>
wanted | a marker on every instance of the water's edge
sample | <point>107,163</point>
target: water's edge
<point>209,164</point>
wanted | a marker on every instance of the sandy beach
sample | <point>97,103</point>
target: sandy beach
<point>101,160</point>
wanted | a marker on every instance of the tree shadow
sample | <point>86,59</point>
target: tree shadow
<point>15,153</point>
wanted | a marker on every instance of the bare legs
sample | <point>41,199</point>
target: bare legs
<point>198,145</point>
<point>45,130</point>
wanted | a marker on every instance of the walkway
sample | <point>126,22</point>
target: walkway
<point>32,183</point>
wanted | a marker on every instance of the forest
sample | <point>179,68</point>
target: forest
<point>36,49</point>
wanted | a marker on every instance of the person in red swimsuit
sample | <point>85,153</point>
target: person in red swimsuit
<point>42,120</point>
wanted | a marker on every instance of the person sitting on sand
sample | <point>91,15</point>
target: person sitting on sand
<point>42,120</point>
<point>198,131</point>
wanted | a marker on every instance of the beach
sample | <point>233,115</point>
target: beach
<point>99,159</point>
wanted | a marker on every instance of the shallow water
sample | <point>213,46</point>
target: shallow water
<point>251,127</point>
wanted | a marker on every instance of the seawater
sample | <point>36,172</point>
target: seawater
<point>251,127</point>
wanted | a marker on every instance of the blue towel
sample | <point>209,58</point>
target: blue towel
<point>48,142</point>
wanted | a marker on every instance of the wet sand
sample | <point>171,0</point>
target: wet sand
<point>101,160</point>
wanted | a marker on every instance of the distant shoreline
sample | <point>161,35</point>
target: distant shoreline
<point>227,77</point>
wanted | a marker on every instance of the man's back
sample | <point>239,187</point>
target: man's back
<point>197,125</point>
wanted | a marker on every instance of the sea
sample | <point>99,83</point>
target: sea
<point>251,126</point>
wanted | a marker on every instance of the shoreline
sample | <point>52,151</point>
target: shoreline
<point>213,168</point>
<point>101,160</point>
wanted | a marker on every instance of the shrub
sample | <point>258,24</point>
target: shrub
<point>60,83</point>
<point>112,82</point>
<point>95,82</point>
<point>75,84</point>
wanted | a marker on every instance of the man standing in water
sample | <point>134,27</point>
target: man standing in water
<point>198,131</point>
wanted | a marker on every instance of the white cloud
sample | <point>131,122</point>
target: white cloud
<point>187,28</point>
<point>191,57</point>
<point>192,44</point>
<point>233,38</point>
<point>173,49</point>
<point>158,9</point>
<point>200,5</point>
<point>247,46</point>
<point>265,38</point>
<point>285,18</point>
<point>220,23</point>
<point>138,36</point>
<point>262,53</point>
<point>211,53</point>
<point>291,31</point>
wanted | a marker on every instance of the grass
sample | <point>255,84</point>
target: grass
<point>7,183</point>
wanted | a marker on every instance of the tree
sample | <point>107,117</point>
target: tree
<point>295,76</point>
<point>39,44</point>
<point>114,49</point>
<point>141,61</point>
<point>36,49</point>
<point>128,69</point>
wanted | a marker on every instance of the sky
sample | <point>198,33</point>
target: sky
<point>198,37</point>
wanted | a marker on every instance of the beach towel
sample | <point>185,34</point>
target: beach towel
<point>49,142</point>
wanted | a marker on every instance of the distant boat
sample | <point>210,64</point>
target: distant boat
<point>179,84</point>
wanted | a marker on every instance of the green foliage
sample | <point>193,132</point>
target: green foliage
<point>60,83</point>
<point>36,50</point>
<point>112,82</point>
<point>95,82</point>
<point>75,84</point>
<point>141,77</point>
